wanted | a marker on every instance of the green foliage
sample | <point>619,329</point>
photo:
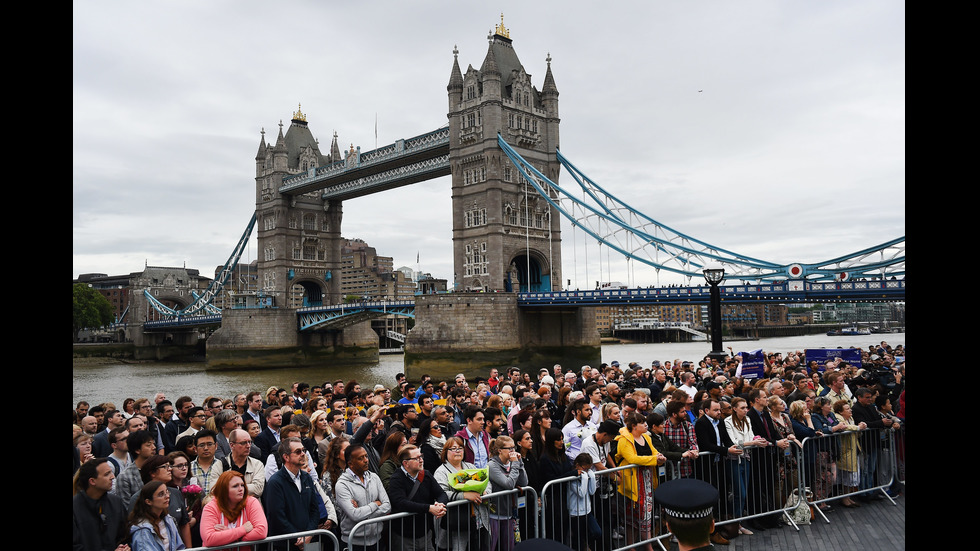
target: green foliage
<point>89,308</point>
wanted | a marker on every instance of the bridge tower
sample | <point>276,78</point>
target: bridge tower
<point>298,235</point>
<point>505,237</point>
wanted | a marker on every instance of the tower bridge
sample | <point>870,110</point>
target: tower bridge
<point>501,149</point>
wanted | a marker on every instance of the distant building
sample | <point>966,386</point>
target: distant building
<point>366,275</point>
<point>242,282</point>
<point>172,286</point>
<point>607,317</point>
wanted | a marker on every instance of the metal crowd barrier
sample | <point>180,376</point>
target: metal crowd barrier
<point>761,484</point>
<point>900,455</point>
<point>494,525</point>
<point>851,463</point>
<point>615,522</point>
<point>322,540</point>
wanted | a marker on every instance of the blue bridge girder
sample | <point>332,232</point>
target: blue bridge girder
<point>339,316</point>
<point>785,292</point>
<point>404,162</point>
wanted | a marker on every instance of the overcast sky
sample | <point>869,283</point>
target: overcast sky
<point>771,128</point>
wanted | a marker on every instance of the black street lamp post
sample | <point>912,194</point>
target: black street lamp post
<point>714,274</point>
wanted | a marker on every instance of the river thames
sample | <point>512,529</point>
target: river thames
<point>114,381</point>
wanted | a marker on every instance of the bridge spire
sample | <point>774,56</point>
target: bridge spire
<point>455,76</point>
<point>262,147</point>
<point>334,149</point>
<point>549,87</point>
<point>489,66</point>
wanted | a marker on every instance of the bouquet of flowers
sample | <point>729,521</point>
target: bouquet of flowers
<point>470,480</point>
<point>192,493</point>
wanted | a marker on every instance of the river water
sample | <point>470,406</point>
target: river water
<point>115,381</point>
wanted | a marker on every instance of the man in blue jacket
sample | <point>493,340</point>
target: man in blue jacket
<point>290,498</point>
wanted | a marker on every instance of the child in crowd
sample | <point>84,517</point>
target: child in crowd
<point>580,500</point>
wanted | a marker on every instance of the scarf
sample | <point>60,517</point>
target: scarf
<point>437,442</point>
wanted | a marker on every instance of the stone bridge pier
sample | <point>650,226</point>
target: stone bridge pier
<point>472,332</point>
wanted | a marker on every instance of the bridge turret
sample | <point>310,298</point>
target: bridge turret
<point>260,155</point>
<point>549,92</point>
<point>503,238</point>
<point>335,149</point>
<point>455,87</point>
<point>280,155</point>
<point>490,75</point>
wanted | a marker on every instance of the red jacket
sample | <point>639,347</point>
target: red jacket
<point>468,453</point>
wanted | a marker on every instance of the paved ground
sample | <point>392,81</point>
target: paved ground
<point>873,526</point>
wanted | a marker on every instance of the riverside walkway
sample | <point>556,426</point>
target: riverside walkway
<point>874,526</point>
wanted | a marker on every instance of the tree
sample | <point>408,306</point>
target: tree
<point>89,309</point>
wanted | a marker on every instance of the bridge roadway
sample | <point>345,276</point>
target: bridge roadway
<point>847,291</point>
<point>342,315</point>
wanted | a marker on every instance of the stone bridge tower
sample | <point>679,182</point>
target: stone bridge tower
<point>505,237</point>
<point>298,235</point>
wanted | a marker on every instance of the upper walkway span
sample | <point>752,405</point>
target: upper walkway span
<point>407,161</point>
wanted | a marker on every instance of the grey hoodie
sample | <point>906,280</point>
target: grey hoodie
<point>350,488</point>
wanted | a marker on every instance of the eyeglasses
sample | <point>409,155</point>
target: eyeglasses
<point>244,442</point>
<point>298,451</point>
<point>166,466</point>
<point>419,459</point>
<point>455,449</point>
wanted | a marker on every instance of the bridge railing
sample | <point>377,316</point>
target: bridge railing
<point>359,305</point>
<point>779,291</point>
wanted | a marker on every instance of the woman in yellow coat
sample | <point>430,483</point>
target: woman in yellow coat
<point>634,447</point>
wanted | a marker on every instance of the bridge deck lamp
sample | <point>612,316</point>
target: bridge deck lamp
<point>714,274</point>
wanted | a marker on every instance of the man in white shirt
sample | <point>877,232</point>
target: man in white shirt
<point>578,429</point>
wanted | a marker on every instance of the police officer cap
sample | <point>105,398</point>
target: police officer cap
<point>687,498</point>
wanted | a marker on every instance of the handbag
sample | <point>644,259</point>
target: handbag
<point>801,513</point>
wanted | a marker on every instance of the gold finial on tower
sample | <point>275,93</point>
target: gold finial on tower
<point>298,114</point>
<point>501,29</point>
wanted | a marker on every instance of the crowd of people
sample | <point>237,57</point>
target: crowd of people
<point>163,475</point>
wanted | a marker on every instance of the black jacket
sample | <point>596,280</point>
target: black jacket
<point>429,492</point>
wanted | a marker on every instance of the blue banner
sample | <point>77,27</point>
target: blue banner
<point>850,355</point>
<point>753,364</point>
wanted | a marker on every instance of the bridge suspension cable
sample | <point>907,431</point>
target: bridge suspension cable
<point>204,301</point>
<point>640,238</point>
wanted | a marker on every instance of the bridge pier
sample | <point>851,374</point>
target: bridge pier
<point>269,338</point>
<point>472,332</point>
<point>175,345</point>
